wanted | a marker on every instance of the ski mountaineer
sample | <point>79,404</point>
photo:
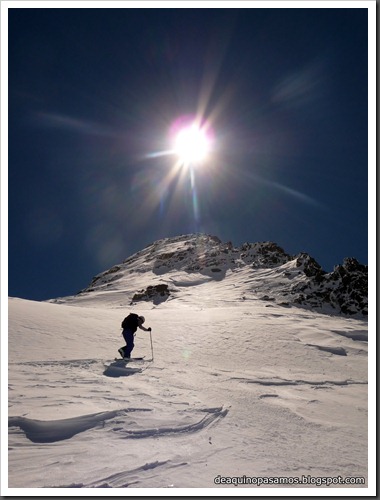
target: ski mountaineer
<point>129,326</point>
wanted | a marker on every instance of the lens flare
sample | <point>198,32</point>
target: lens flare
<point>191,139</point>
<point>192,144</point>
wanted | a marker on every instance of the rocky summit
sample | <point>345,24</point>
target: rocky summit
<point>255,271</point>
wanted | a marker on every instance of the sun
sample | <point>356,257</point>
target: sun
<point>192,145</point>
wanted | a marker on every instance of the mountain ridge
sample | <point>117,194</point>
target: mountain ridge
<point>159,271</point>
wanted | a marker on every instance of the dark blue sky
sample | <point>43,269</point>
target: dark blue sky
<point>94,92</point>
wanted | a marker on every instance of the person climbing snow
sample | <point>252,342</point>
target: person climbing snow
<point>129,326</point>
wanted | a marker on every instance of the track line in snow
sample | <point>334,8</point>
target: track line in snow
<point>281,382</point>
<point>127,478</point>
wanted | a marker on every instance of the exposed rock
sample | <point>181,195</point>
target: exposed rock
<point>265,254</point>
<point>309,265</point>
<point>157,293</point>
<point>345,289</point>
<point>290,280</point>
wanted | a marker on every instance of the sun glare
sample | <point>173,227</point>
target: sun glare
<point>191,145</point>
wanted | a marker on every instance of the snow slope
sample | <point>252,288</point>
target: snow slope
<point>238,386</point>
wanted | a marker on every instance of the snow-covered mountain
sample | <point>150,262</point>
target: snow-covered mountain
<point>255,271</point>
<point>254,373</point>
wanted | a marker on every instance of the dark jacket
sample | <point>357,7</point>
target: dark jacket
<point>131,322</point>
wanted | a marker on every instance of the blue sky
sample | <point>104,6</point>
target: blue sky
<point>93,94</point>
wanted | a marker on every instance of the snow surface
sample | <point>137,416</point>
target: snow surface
<point>236,388</point>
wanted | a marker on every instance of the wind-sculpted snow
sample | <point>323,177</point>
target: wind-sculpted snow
<point>237,386</point>
<point>339,351</point>
<point>50,431</point>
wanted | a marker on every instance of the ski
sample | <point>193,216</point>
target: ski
<point>129,359</point>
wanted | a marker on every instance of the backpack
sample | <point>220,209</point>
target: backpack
<point>130,322</point>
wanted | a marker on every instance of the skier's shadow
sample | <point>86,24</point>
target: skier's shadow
<point>116,369</point>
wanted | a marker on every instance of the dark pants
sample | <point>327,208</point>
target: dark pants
<point>128,348</point>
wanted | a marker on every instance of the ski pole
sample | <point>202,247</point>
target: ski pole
<point>151,343</point>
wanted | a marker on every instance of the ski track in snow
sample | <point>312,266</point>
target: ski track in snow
<point>129,478</point>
